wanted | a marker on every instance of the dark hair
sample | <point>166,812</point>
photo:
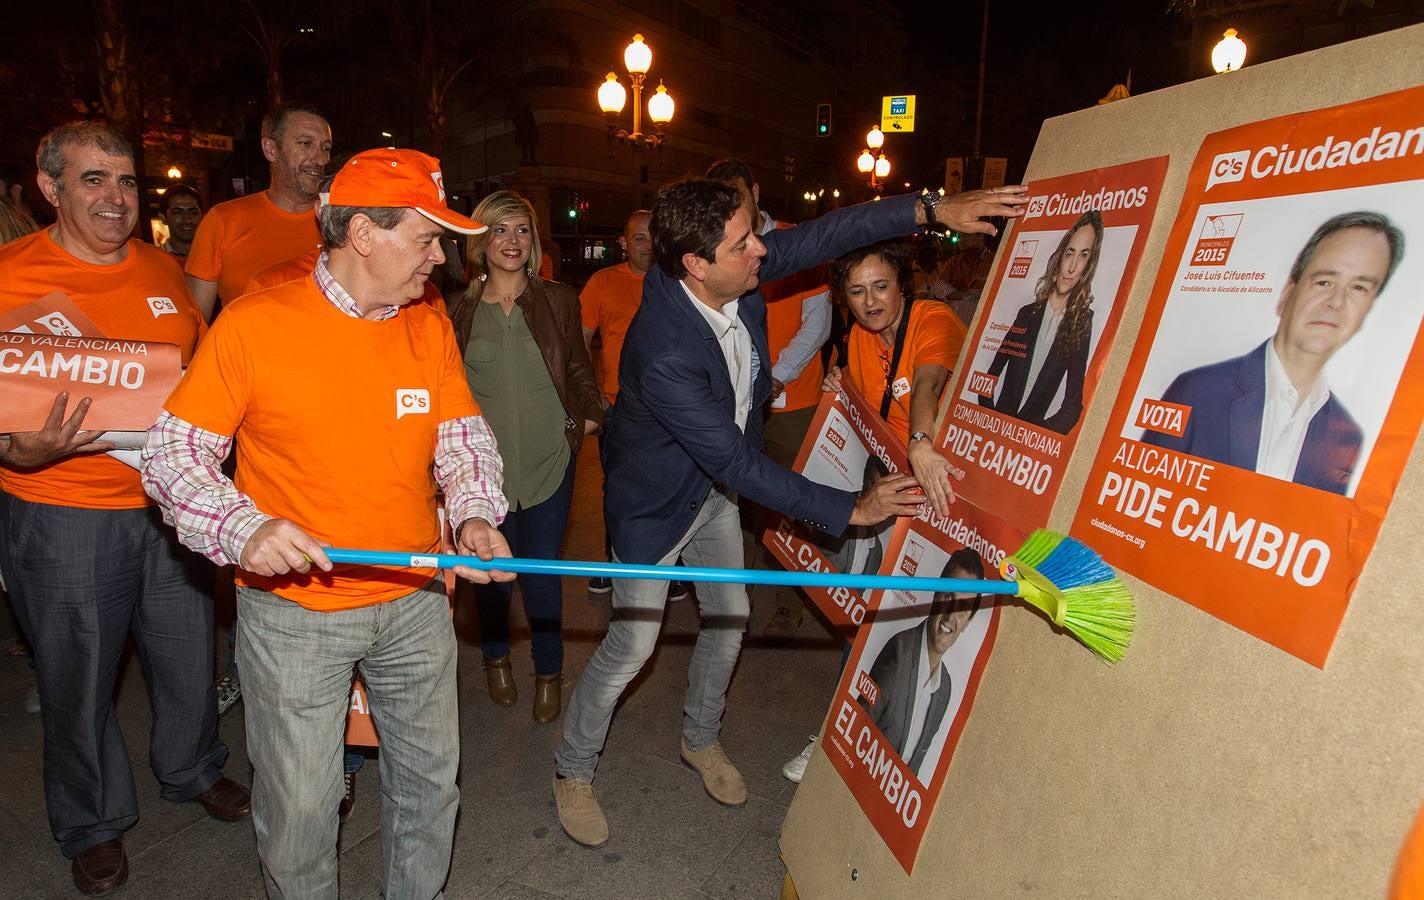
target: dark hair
<point>896,253</point>
<point>732,169</point>
<point>50,158</point>
<point>968,562</point>
<point>335,221</point>
<point>1371,221</point>
<point>1077,315</point>
<point>276,118</point>
<point>691,216</point>
<point>179,190</point>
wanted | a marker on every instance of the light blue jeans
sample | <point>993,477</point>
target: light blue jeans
<point>296,684</point>
<point>714,539</point>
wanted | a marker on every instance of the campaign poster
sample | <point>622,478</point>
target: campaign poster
<point>1277,388</point>
<point>128,381</point>
<point>1039,348</point>
<point>849,447</point>
<point>906,692</point>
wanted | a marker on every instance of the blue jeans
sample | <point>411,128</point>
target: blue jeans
<point>714,539</point>
<point>296,684</point>
<point>81,581</point>
<point>533,532</point>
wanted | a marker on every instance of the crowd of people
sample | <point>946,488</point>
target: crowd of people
<point>333,395</point>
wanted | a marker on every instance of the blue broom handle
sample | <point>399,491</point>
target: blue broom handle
<point>581,569</point>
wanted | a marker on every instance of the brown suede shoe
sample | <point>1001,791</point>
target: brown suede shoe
<point>100,868</point>
<point>548,697</point>
<point>226,800</point>
<point>501,680</point>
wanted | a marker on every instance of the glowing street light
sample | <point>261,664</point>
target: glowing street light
<point>1229,54</point>
<point>175,173</point>
<point>612,96</point>
<point>875,138</point>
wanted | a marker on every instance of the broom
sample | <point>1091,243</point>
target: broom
<point>1059,575</point>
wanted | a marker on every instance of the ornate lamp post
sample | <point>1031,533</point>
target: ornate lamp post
<point>874,164</point>
<point>637,59</point>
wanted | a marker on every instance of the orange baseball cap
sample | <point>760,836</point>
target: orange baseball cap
<point>387,177</point>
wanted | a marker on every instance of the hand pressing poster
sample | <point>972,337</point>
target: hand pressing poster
<point>1275,392</point>
<point>850,447</point>
<point>1039,349</point>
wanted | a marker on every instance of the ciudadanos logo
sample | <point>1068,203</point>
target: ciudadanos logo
<point>1330,153</point>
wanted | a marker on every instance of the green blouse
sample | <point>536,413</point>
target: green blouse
<point>509,378</point>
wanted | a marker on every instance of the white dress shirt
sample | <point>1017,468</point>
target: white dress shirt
<point>1285,418</point>
<point>1047,331</point>
<point>736,347</point>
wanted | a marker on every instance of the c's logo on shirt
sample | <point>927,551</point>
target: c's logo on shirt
<point>162,306</point>
<point>900,387</point>
<point>412,401</point>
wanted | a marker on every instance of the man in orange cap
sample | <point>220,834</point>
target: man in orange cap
<point>337,387</point>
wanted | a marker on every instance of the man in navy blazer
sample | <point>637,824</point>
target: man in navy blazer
<point>684,444</point>
<point>1270,410</point>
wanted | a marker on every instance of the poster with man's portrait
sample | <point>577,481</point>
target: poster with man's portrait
<point>1041,342</point>
<point>1274,393</point>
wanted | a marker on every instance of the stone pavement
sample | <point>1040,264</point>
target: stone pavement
<point>669,839</point>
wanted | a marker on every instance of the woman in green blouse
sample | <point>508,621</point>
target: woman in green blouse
<point>525,358</point>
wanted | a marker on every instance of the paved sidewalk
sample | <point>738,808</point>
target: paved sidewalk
<point>669,839</point>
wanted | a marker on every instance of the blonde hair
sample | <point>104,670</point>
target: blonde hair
<point>492,210</point>
<point>15,223</point>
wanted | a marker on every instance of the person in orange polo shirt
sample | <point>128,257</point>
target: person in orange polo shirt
<point>83,554</point>
<point>798,321</point>
<point>338,389</point>
<point>241,237</point>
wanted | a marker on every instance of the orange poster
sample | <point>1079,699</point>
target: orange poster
<point>1277,387</point>
<point>1040,346</point>
<point>127,380</point>
<point>849,447</point>
<point>906,692</point>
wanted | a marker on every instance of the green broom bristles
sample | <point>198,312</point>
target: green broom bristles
<point>1096,607</point>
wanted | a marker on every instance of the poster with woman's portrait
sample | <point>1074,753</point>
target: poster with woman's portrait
<point>1042,339</point>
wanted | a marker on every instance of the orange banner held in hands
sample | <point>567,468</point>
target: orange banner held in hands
<point>128,381</point>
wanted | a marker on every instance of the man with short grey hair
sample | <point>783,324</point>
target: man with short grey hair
<point>339,387</point>
<point>82,550</point>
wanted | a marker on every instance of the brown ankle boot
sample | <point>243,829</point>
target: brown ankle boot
<point>501,680</point>
<point>548,693</point>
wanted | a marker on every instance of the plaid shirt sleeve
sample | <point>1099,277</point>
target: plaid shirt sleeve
<point>469,471</point>
<point>182,472</point>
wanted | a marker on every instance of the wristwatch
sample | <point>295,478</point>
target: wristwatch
<point>929,200</point>
<point>919,436</point>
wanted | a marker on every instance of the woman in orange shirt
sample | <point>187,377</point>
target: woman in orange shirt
<point>874,282</point>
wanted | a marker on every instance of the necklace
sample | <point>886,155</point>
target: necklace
<point>505,299</point>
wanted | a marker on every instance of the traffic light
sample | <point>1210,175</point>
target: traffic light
<point>823,120</point>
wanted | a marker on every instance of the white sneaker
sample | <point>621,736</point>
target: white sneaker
<point>796,767</point>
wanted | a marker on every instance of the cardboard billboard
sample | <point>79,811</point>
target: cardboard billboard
<point>1277,387</point>
<point>1039,348</point>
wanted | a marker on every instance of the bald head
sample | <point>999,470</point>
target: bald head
<point>637,242</point>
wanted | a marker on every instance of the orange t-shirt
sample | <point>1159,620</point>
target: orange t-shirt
<point>609,301</point>
<point>285,271</point>
<point>934,337</point>
<point>336,420</point>
<point>784,297</point>
<point>115,298</point>
<point>241,237</point>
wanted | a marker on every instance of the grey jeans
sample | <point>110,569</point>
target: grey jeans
<point>713,539</point>
<point>296,684</point>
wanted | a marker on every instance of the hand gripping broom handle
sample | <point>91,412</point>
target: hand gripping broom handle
<point>578,569</point>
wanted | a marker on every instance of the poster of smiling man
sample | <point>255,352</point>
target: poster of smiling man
<point>1274,394</point>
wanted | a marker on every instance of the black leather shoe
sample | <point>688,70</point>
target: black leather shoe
<point>100,868</point>
<point>226,800</point>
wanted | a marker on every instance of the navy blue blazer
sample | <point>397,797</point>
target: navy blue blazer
<point>672,433</point>
<point>1228,399</point>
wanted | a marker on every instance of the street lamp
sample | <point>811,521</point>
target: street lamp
<point>612,96</point>
<point>637,59</point>
<point>175,173</point>
<point>872,160</point>
<point>1229,54</point>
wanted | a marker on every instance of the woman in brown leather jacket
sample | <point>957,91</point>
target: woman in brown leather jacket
<point>522,342</point>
